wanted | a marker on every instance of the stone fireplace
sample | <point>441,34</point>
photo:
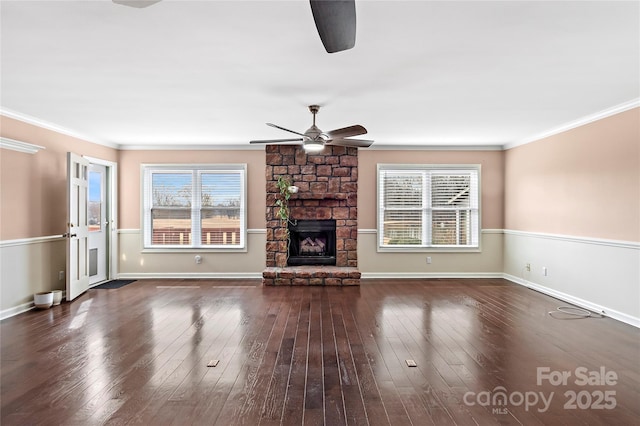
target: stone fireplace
<point>327,198</point>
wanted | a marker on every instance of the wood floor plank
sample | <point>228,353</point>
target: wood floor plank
<point>314,385</point>
<point>277,389</point>
<point>349,381</point>
<point>334,409</point>
<point>376,406</point>
<point>294,398</point>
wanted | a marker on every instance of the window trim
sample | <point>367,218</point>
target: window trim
<point>424,249</point>
<point>197,169</point>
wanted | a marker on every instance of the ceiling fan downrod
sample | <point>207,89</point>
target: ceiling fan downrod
<point>315,140</point>
<point>314,110</point>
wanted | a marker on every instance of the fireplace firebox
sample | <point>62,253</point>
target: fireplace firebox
<point>312,242</point>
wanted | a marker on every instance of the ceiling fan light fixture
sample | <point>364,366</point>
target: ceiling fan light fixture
<point>313,145</point>
<point>136,3</point>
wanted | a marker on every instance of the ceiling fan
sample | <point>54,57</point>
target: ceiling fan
<point>315,139</point>
<point>335,21</point>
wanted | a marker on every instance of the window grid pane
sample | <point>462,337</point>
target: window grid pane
<point>171,189</point>
<point>451,227</point>
<point>450,191</point>
<point>171,226</point>
<point>171,209</point>
<point>402,227</point>
<point>220,212</point>
<point>403,191</point>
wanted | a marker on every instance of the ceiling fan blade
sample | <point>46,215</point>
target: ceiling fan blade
<point>292,141</point>
<point>360,143</point>
<point>346,132</point>
<point>136,3</point>
<point>336,23</point>
<point>286,130</point>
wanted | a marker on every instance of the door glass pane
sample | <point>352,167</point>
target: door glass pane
<point>95,201</point>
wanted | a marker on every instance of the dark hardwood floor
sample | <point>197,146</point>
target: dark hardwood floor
<point>486,350</point>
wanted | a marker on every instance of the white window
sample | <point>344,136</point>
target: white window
<point>198,206</point>
<point>428,206</point>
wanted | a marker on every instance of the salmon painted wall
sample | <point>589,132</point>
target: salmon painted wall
<point>33,186</point>
<point>583,182</point>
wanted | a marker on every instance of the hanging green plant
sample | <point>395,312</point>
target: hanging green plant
<point>283,201</point>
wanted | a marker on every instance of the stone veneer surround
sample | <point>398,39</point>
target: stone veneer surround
<point>327,189</point>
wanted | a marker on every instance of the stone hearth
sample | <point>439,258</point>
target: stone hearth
<point>311,275</point>
<point>328,189</point>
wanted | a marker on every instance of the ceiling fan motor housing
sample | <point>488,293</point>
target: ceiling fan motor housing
<point>314,133</point>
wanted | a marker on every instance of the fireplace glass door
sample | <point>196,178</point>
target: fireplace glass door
<point>313,242</point>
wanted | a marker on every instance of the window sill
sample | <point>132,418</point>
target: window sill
<point>429,249</point>
<point>193,250</point>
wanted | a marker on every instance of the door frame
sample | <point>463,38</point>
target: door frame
<point>111,198</point>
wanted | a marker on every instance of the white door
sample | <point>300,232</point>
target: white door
<point>98,224</point>
<point>77,226</point>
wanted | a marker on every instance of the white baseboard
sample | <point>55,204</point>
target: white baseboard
<point>191,275</point>
<point>611,313</point>
<point>429,275</point>
<point>8,313</point>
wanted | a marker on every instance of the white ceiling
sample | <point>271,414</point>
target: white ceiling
<point>213,72</point>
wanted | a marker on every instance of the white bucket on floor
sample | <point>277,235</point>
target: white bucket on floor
<point>57,297</point>
<point>43,300</point>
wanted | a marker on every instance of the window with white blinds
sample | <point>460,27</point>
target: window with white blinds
<point>428,206</point>
<point>200,206</point>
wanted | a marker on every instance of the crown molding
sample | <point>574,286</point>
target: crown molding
<point>191,147</point>
<point>54,127</point>
<point>634,103</point>
<point>434,147</point>
<point>19,146</point>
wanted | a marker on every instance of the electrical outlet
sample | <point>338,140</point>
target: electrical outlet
<point>60,275</point>
<point>527,267</point>
<point>198,259</point>
<point>429,260</point>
